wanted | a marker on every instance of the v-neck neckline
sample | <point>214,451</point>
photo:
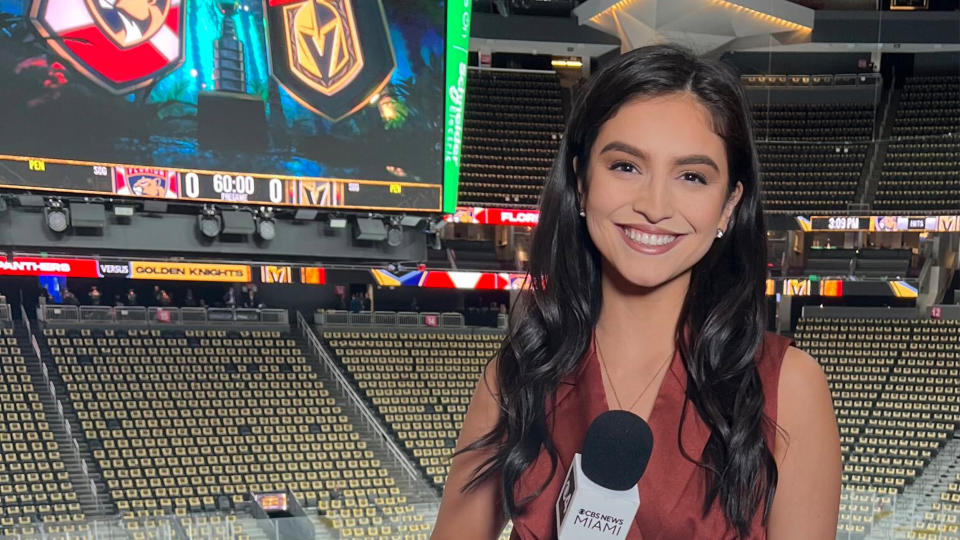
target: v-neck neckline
<point>672,372</point>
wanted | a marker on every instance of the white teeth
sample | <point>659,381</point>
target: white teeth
<point>649,239</point>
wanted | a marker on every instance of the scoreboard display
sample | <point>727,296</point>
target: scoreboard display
<point>89,178</point>
<point>340,104</point>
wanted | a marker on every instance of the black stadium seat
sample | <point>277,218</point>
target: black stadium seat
<point>511,131</point>
<point>811,155</point>
<point>922,168</point>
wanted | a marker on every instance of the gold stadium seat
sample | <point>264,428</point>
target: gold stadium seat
<point>181,417</point>
<point>888,401</point>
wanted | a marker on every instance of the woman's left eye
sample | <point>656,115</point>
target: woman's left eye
<point>694,177</point>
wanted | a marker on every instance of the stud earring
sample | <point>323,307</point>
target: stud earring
<point>583,213</point>
<point>719,233</point>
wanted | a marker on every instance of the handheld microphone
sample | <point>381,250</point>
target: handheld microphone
<point>599,497</point>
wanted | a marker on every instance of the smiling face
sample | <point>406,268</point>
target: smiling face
<point>656,188</point>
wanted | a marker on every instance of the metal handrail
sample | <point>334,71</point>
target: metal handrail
<point>159,316</point>
<point>418,319</point>
<point>345,385</point>
<point>53,393</point>
<point>26,320</point>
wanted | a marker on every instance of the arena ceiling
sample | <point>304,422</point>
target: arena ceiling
<point>706,26</point>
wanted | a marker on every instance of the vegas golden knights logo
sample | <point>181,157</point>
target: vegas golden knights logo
<point>947,223</point>
<point>319,193</point>
<point>323,49</point>
<point>330,55</point>
<point>276,274</point>
<point>796,287</point>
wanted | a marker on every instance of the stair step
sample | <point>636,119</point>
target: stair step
<point>71,460</point>
<point>417,491</point>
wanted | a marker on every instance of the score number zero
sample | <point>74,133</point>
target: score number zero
<point>232,187</point>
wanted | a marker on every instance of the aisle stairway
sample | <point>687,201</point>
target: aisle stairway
<point>93,498</point>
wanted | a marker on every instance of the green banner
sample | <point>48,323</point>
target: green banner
<point>458,41</point>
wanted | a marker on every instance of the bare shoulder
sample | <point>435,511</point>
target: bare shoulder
<point>484,409</point>
<point>807,453</point>
<point>805,407</point>
<point>799,368</point>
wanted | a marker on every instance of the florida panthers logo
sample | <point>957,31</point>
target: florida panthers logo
<point>330,55</point>
<point>129,22</point>
<point>121,45</point>
<point>146,182</point>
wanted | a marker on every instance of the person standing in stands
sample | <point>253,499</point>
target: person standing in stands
<point>70,299</point>
<point>44,296</point>
<point>157,294</point>
<point>94,296</point>
<point>655,305</point>
<point>250,298</point>
<point>230,298</point>
<point>190,300</point>
<point>131,297</point>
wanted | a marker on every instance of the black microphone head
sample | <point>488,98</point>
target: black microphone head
<point>616,450</point>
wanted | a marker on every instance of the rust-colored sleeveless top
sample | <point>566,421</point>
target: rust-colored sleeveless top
<point>672,488</point>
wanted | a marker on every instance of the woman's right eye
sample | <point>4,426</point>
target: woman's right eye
<point>623,166</point>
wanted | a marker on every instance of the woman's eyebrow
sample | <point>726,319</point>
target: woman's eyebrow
<point>620,146</point>
<point>697,159</point>
<point>692,159</point>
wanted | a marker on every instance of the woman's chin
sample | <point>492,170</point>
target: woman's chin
<point>642,280</point>
<point>635,280</point>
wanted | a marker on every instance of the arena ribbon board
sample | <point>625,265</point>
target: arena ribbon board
<point>458,39</point>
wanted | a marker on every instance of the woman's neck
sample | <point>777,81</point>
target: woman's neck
<point>640,319</point>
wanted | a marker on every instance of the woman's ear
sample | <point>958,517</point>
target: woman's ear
<point>576,172</point>
<point>730,206</point>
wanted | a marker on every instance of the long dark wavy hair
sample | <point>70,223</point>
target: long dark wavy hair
<point>724,310</point>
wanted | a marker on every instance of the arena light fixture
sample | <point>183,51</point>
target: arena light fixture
<point>338,222</point>
<point>266,226</point>
<point>56,215</point>
<point>88,215</point>
<point>31,201</point>
<point>411,221</point>
<point>209,222</point>
<point>237,222</point>
<point>154,207</point>
<point>122,211</point>
<point>394,232</point>
<point>433,229</point>
<point>372,229</point>
<point>305,214</point>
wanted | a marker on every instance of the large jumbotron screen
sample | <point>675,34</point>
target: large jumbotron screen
<point>352,104</point>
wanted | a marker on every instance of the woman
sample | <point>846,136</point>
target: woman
<point>647,294</point>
